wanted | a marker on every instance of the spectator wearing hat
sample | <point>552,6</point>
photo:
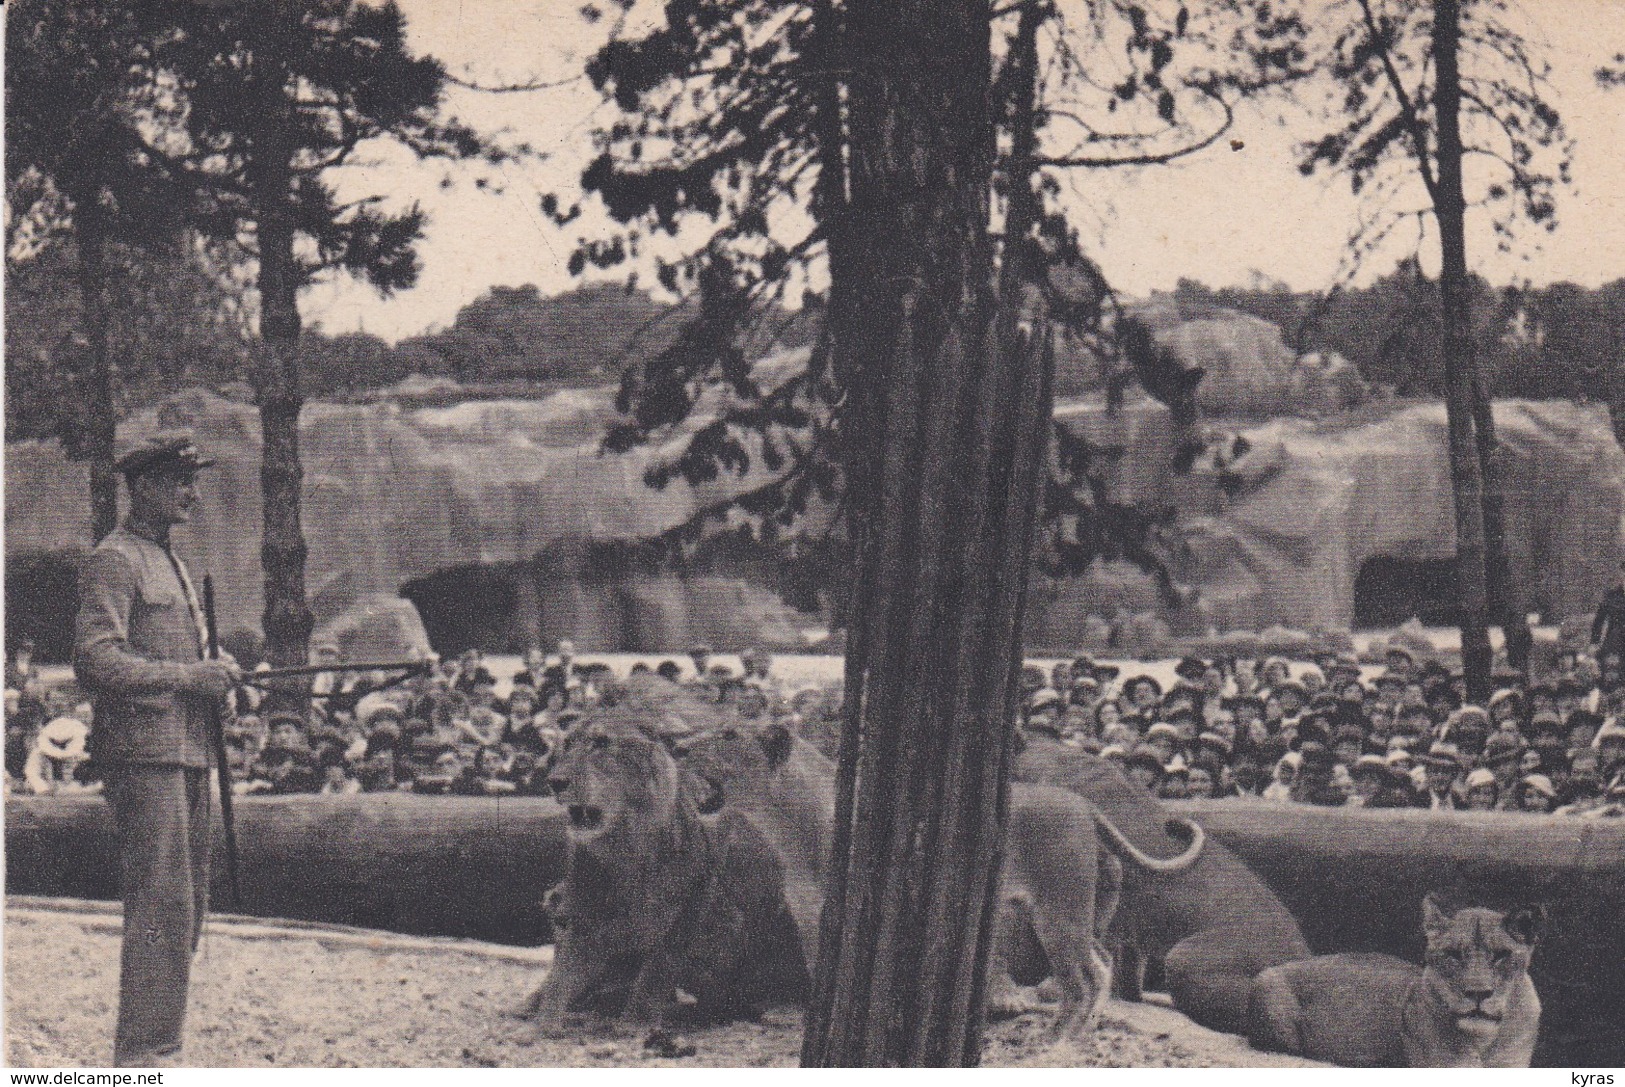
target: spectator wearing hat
<point>57,757</point>
<point>1248,709</point>
<point>1084,667</point>
<point>1610,747</point>
<point>1581,727</point>
<point>1480,791</point>
<point>1243,776</point>
<point>1414,720</point>
<point>1399,661</point>
<point>286,764</point>
<point>1315,782</point>
<point>1107,713</point>
<point>138,650</point>
<point>1143,693</point>
<point>1442,698</point>
<point>1176,780</point>
<point>1390,688</point>
<point>534,671</point>
<point>1282,777</point>
<point>1348,741</point>
<point>563,674</point>
<point>325,654</point>
<point>1164,738</point>
<point>378,764</point>
<point>1185,716</point>
<point>1583,783</point>
<point>1045,701</point>
<point>1503,758</point>
<point>1122,736</point>
<point>1444,765</point>
<point>1535,793</point>
<point>1545,722</point>
<point>1201,783</point>
<point>1380,726</point>
<point>1192,670</point>
<point>1144,767</point>
<point>1274,672</point>
<point>1214,747</point>
<point>1369,774</point>
<point>1061,680</point>
<point>1292,697</point>
<point>1399,789</point>
<point>1077,724</point>
<point>1506,707</point>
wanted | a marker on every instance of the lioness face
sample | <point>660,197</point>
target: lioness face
<point>733,762</point>
<point>1475,958</point>
<point>610,776</point>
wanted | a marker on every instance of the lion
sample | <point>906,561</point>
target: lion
<point>1472,1005</point>
<point>1052,905</point>
<point>1213,925</point>
<point>654,897</point>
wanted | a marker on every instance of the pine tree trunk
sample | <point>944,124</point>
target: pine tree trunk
<point>288,620</point>
<point>100,421</point>
<point>1506,601</point>
<point>955,428</point>
<point>1460,365</point>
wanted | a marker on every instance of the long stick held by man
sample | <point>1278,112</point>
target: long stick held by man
<point>140,649</point>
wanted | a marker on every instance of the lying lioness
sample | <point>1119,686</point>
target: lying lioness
<point>1471,1006</point>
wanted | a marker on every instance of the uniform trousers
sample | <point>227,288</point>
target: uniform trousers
<point>161,814</point>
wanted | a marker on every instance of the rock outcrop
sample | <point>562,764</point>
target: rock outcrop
<point>1280,533</point>
<point>393,495</point>
<point>1279,523</point>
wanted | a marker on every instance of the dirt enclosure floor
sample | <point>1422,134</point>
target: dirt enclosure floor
<point>272,994</point>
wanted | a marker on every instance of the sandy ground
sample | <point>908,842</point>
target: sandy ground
<point>272,995</point>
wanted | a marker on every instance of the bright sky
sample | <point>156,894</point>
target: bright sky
<point>1222,216</point>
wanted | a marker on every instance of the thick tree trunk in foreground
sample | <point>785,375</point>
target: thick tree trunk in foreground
<point>1460,365</point>
<point>288,620</point>
<point>100,420</point>
<point>943,511</point>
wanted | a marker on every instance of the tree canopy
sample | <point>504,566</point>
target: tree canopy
<point>731,148</point>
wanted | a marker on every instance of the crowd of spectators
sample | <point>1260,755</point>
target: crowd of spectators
<point>1338,733</point>
<point>1329,731</point>
<point>443,730</point>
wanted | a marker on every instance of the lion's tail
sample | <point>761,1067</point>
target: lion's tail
<point>1120,845</point>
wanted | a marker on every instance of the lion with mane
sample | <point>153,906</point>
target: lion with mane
<point>655,897</point>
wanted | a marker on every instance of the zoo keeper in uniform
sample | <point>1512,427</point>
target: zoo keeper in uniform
<point>139,650</point>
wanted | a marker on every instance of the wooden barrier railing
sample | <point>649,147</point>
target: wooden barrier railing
<point>476,867</point>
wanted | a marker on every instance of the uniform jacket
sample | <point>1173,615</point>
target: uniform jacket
<point>137,629</point>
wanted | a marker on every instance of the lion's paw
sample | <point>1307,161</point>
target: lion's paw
<point>1010,1000</point>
